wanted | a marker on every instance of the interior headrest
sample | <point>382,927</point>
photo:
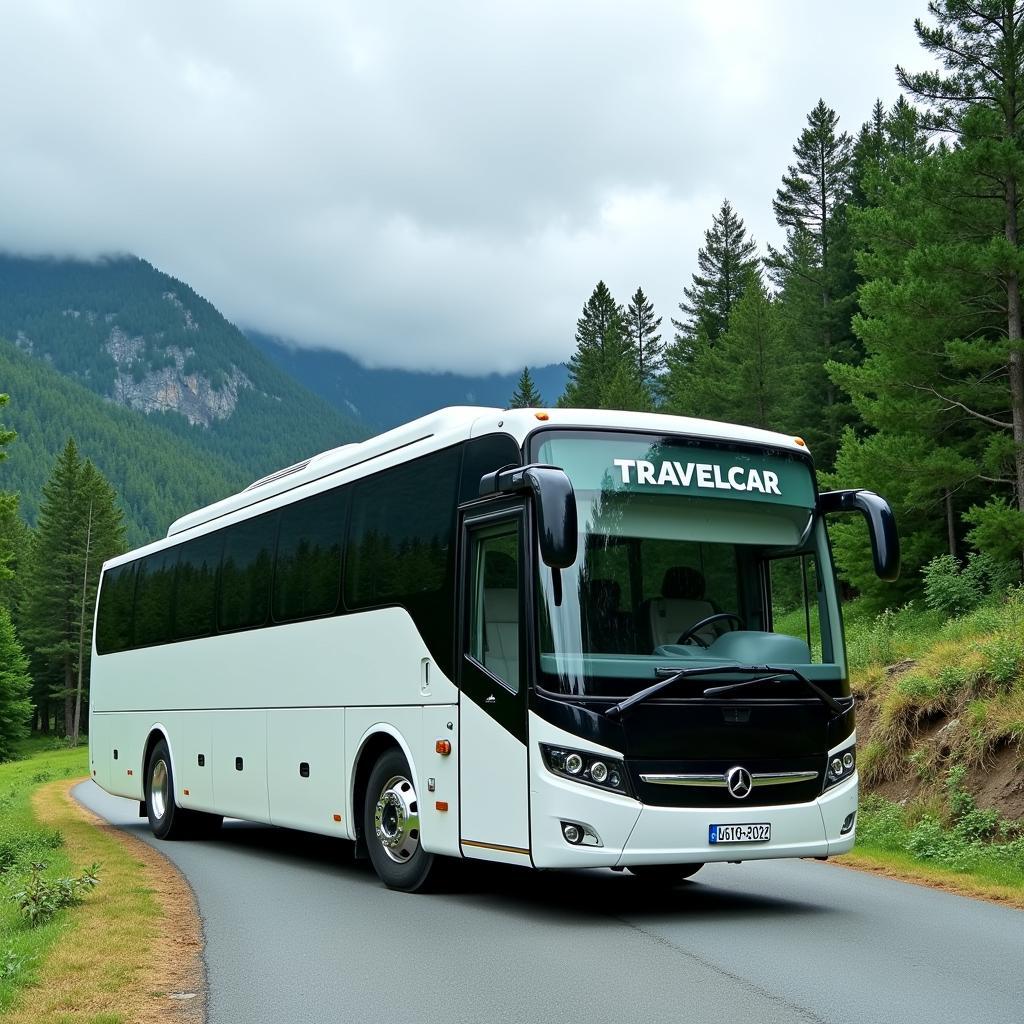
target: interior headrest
<point>683,581</point>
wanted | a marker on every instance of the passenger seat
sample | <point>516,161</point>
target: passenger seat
<point>681,604</point>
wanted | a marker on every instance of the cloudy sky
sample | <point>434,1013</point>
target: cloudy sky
<point>432,186</point>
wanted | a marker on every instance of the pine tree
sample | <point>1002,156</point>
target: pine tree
<point>724,264</point>
<point>15,706</point>
<point>79,527</point>
<point>8,502</point>
<point>526,395</point>
<point>646,348</point>
<point>978,98</point>
<point>600,346</point>
<point>817,261</point>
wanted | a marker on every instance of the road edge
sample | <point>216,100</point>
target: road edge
<point>168,981</point>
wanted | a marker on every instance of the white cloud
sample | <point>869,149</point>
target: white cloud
<point>434,186</point>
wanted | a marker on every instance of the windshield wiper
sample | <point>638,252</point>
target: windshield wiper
<point>765,673</point>
<point>775,675</point>
<point>652,691</point>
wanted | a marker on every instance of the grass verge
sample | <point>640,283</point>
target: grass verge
<point>131,951</point>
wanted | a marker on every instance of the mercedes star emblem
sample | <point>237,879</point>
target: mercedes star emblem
<point>739,782</point>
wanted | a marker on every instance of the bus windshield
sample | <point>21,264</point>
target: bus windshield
<point>715,560</point>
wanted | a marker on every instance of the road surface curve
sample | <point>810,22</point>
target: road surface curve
<point>297,932</point>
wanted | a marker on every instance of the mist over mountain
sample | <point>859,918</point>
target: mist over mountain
<point>385,398</point>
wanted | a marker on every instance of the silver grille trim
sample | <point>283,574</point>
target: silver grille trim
<point>718,781</point>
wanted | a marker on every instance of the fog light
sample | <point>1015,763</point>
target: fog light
<point>572,834</point>
<point>848,823</point>
<point>574,764</point>
<point>599,771</point>
<point>848,760</point>
<point>837,766</point>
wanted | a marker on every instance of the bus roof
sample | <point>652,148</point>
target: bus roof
<point>457,423</point>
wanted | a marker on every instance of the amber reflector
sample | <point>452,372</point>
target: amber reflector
<point>441,805</point>
<point>443,747</point>
<point>337,817</point>
<point>542,415</point>
<point>800,441</point>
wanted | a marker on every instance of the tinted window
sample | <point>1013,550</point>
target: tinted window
<point>153,595</point>
<point>196,587</point>
<point>246,571</point>
<point>307,574</point>
<point>485,455</point>
<point>494,612</point>
<point>114,617</point>
<point>400,539</point>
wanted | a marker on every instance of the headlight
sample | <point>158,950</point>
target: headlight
<point>593,769</point>
<point>840,766</point>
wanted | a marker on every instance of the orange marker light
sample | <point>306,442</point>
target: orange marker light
<point>542,415</point>
<point>443,747</point>
<point>337,817</point>
<point>441,805</point>
<point>800,441</point>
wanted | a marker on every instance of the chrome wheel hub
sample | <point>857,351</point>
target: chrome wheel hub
<point>159,791</point>
<point>396,819</point>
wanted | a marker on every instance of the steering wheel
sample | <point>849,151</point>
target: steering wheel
<point>691,633</point>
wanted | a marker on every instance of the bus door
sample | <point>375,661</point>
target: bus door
<point>493,769</point>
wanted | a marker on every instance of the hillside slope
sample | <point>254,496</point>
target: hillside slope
<point>386,398</point>
<point>157,474</point>
<point>148,342</point>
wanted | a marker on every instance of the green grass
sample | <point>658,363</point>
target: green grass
<point>22,842</point>
<point>977,846</point>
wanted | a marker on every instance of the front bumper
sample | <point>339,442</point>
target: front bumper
<point>634,833</point>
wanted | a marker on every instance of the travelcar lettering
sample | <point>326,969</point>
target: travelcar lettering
<point>698,474</point>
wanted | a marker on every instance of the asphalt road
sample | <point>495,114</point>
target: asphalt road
<point>296,932</point>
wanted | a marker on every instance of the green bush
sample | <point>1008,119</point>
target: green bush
<point>953,588</point>
<point>41,897</point>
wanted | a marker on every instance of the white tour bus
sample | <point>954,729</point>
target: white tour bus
<point>560,638</point>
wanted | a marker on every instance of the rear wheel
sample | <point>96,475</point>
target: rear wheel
<point>166,818</point>
<point>664,874</point>
<point>391,825</point>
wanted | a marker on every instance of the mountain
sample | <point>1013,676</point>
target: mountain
<point>157,473</point>
<point>146,341</point>
<point>385,398</point>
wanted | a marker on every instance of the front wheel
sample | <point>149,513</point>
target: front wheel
<point>391,825</point>
<point>664,874</point>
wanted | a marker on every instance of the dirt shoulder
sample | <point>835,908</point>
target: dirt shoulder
<point>132,952</point>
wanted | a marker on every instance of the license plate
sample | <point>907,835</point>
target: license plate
<point>759,832</point>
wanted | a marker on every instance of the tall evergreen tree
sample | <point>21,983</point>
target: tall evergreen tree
<point>724,263</point>
<point>978,98</point>
<point>526,395</point>
<point>601,345</point>
<point>646,348</point>
<point>8,502</point>
<point>15,706</point>
<point>79,527</point>
<point>814,271</point>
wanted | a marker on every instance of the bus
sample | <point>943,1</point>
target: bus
<point>552,638</point>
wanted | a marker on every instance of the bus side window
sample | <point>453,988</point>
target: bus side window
<point>114,617</point>
<point>494,614</point>
<point>195,589</point>
<point>246,571</point>
<point>307,574</point>
<point>153,597</point>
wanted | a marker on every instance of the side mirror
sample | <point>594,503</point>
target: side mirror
<point>554,501</point>
<point>885,541</point>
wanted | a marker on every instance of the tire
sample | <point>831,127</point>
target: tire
<point>664,874</point>
<point>391,826</point>
<point>166,819</point>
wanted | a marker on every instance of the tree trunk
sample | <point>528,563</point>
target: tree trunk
<point>81,632</point>
<point>1015,333</point>
<point>950,522</point>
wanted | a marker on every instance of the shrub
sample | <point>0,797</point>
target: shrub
<point>954,589</point>
<point>41,897</point>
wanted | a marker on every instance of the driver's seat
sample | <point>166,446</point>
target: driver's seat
<point>681,604</point>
